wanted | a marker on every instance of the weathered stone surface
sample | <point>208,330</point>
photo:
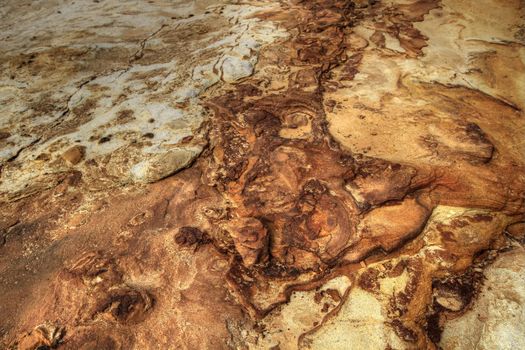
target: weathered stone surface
<point>497,318</point>
<point>75,74</point>
<point>262,175</point>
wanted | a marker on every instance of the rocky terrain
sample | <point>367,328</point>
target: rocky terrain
<point>324,174</point>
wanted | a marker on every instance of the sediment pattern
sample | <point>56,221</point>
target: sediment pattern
<point>262,175</point>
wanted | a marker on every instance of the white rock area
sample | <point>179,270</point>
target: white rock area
<point>126,94</point>
<point>497,318</point>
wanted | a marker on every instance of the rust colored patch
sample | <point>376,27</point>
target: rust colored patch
<point>369,280</point>
<point>295,197</point>
<point>404,332</point>
<point>189,236</point>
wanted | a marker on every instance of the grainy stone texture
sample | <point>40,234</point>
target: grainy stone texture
<point>122,80</point>
<point>497,319</point>
<point>262,175</point>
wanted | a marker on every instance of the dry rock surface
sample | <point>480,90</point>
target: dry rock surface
<point>262,175</point>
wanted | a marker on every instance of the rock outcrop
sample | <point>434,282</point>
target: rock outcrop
<point>262,175</point>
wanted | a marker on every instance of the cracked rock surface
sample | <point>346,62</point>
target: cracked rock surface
<point>262,175</point>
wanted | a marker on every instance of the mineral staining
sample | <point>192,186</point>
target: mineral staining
<point>293,175</point>
<point>131,99</point>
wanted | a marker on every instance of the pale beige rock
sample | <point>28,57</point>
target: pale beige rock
<point>360,324</point>
<point>496,319</point>
<point>160,165</point>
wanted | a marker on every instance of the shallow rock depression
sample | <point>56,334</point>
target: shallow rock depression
<point>262,175</point>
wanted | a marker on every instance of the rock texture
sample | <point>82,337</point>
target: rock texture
<point>262,175</point>
<point>497,318</point>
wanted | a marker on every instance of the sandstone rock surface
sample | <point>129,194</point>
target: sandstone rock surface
<point>262,174</point>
